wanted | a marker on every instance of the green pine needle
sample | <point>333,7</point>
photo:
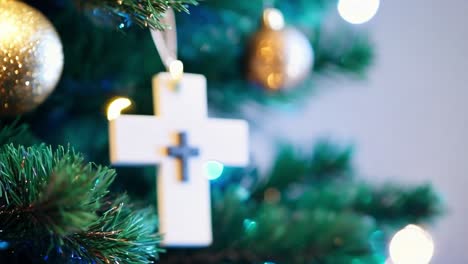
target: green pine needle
<point>54,200</point>
<point>122,234</point>
<point>310,209</point>
<point>146,13</point>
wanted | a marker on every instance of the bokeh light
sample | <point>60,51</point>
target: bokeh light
<point>4,245</point>
<point>116,106</point>
<point>358,11</point>
<point>273,18</point>
<point>176,69</point>
<point>411,245</point>
<point>213,169</point>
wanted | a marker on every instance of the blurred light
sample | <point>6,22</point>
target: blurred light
<point>272,195</point>
<point>213,169</point>
<point>411,245</point>
<point>242,193</point>
<point>4,245</point>
<point>358,11</point>
<point>274,80</point>
<point>116,106</point>
<point>273,18</point>
<point>176,69</point>
<point>249,225</point>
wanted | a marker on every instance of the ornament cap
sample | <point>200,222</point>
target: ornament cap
<point>273,19</point>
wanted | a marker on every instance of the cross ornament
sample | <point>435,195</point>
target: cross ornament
<point>183,152</point>
<point>181,139</point>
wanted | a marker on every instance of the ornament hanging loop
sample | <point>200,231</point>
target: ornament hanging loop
<point>166,44</point>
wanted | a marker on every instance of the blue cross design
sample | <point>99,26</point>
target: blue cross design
<point>183,152</point>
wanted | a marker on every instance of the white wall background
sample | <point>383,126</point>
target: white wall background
<point>409,120</point>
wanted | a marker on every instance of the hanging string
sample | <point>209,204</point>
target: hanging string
<point>166,44</point>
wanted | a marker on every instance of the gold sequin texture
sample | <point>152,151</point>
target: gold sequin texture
<point>31,58</point>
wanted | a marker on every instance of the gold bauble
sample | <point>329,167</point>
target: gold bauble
<point>280,57</point>
<point>31,58</point>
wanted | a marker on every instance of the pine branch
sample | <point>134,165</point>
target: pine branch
<point>318,213</point>
<point>326,162</point>
<point>16,133</point>
<point>121,235</point>
<point>52,190</point>
<point>146,13</point>
<point>394,203</point>
<point>53,206</point>
<point>344,51</point>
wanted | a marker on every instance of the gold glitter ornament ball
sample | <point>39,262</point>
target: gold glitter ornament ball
<point>280,57</point>
<point>31,58</point>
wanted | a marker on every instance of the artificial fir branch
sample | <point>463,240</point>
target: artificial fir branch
<point>327,161</point>
<point>55,207</point>
<point>146,13</point>
<point>122,234</point>
<point>309,208</point>
<point>394,203</point>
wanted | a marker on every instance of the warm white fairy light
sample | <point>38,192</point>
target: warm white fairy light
<point>411,245</point>
<point>176,69</point>
<point>358,11</point>
<point>273,18</point>
<point>116,106</point>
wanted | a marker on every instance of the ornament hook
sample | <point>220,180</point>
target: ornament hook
<point>166,44</point>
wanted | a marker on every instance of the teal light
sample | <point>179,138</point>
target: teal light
<point>213,169</point>
<point>250,226</point>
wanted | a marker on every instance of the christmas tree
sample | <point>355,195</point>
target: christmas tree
<point>58,206</point>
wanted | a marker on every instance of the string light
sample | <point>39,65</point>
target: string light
<point>411,245</point>
<point>358,11</point>
<point>176,69</point>
<point>273,18</point>
<point>116,106</point>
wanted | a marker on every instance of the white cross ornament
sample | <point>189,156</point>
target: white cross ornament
<point>181,139</point>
